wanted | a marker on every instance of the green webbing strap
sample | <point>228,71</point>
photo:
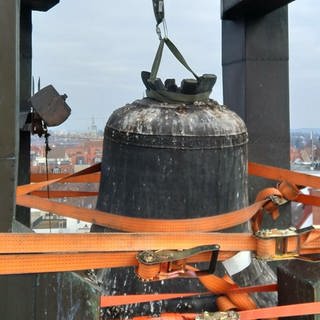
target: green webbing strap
<point>157,61</point>
<point>155,88</point>
<point>173,97</point>
<point>174,50</point>
<point>157,91</point>
<point>178,55</point>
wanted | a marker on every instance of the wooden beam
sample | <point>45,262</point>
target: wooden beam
<point>236,9</point>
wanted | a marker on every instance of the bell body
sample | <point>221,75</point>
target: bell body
<point>170,161</point>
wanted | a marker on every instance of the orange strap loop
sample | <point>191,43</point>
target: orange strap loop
<point>225,304</point>
<point>285,191</point>
<point>217,285</point>
<point>270,207</point>
<point>291,182</point>
<point>148,272</point>
<point>288,190</point>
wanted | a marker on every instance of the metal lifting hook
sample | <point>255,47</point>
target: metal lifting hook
<point>158,8</point>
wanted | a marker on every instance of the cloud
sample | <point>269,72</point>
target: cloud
<point>304,28</point>
<point>95,52</point>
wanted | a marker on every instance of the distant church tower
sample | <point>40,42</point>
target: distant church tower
<point>93,128</point>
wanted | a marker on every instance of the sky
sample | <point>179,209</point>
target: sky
<point>94,52</point>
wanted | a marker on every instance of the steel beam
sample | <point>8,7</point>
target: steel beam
<point>23,214</point>
<point>39,5</point>
<point>236,9</point>
<point>9,106</point>
<point>256,86</point>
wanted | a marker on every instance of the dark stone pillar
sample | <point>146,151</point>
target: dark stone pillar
<point>65,296</point>
<point>299,282</point>
<point>52,296</point>
<point>9,102</point>
<point>256,86</point>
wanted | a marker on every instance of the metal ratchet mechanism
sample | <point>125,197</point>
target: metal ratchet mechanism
<point>279,201</point>
<point>291,243</point>
<point>167,264</point>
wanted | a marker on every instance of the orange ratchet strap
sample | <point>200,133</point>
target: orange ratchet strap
<point>109,301</point>
<point>299,309</point>
<point>130,224</point>
<point>36,253</point>
<point>21,252</point>
<point>64,194</point>
<point>255,169</point>
<point>218,222</point>
<point>88,178</point>
<point>117,242</point>
<point>81,176</point>
<point>279,174</point>
<point>121,249</point>
<point>291,182</point>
